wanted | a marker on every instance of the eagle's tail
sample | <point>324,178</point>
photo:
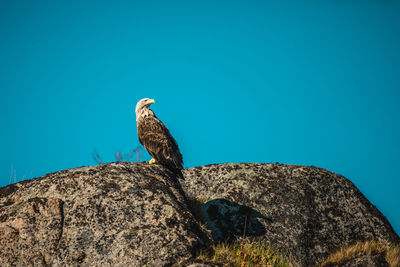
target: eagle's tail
<point>175,165</point>
<point>179,173</point>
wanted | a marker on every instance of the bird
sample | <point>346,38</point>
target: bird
<point>156,138</point>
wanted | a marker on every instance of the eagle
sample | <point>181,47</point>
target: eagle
<point>157,139</point>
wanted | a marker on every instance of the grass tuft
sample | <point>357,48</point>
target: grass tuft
<point>243,254</point>
<point>392,253</point>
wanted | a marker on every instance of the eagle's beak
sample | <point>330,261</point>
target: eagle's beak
<point>152,101</point>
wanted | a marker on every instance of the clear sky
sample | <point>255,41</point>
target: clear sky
<point>296,82</point>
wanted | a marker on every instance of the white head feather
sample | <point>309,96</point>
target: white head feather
<point>142,107</point>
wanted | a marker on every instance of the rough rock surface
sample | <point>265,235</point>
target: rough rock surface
<point>304,212</point>
<point>116,214</point>
<point>128,214</point>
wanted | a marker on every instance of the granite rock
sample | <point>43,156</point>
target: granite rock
<point>116,214</point>
<point>135,214</point>
<point>304,212</point>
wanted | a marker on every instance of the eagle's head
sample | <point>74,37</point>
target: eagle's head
<point>142,107</point>
<point>144,104</point>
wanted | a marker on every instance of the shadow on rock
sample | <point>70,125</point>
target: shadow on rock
<point>227,220</point>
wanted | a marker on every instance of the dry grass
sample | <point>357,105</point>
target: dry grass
<point>392,253</point>
<point>393,256</point>
<point>235,254</point>
<point>243,254</point>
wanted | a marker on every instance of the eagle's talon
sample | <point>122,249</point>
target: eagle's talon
<point>152,161</point>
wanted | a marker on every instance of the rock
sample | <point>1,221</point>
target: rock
<point>116,214</point>
<point>134,214</point>
<point>304,212</point>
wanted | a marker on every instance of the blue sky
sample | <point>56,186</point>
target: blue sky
<point>308,83</point>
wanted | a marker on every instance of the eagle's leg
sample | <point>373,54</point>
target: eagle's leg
<point>152,161</point>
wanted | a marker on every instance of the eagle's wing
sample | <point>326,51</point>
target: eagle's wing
<point>158,141</point>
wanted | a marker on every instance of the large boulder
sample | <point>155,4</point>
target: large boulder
<point>304,212</point>
<point>135,214</point>
<point>116,214</point>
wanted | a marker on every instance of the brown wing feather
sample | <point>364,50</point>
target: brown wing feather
<point>160,144</point>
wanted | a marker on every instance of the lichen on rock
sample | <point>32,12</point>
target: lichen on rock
<point>115,214</point>
<point>304,212</point>
<point>135,214</point>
